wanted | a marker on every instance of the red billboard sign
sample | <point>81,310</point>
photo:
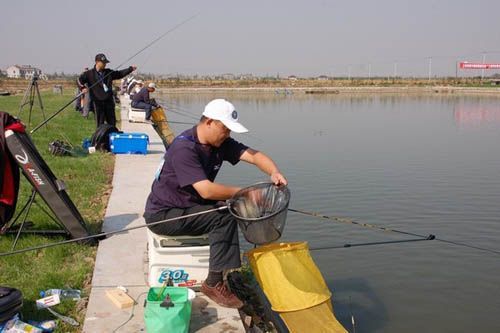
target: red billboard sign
<point>477,65</point>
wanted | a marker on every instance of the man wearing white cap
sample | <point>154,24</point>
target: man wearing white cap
<point>185,185</point>
<point>141,100</point>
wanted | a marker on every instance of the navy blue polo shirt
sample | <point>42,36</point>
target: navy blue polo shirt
<point>187,161</point>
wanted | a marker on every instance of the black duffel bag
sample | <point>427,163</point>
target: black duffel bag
<point>11,302</point>
<point>100,138</point>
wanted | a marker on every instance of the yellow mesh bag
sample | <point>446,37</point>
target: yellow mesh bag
<point>317,319</point>
<point>288,276</point>
<point>295,287</point>
<point>163,129</point>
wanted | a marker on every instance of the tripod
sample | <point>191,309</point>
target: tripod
<point>29,98</point>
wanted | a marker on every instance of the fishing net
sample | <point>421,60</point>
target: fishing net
<point>261,211</point>
<point>64,148</point>
<point>60,148</point>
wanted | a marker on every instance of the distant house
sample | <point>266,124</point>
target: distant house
<point>246,77</point>
<point>292,78</point>
<point>24,71</point>
<point>322,78</point>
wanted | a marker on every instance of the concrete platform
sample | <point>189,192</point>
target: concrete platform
<point>122,258</point>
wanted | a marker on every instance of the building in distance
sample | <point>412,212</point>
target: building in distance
<point>22,71</point>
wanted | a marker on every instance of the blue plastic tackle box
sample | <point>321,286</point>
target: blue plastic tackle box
<point>128,143</point>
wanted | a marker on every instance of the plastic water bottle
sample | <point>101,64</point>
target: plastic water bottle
<point>73,294</point>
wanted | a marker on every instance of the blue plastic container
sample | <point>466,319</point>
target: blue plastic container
<point>86,143</point>
<point>129,143</point>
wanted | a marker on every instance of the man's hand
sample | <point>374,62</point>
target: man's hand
<point>85,90</point>
<point>278,179</point>
<point>134,67</point>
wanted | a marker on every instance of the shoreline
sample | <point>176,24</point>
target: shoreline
<point>19,86</point>
<point>340,90</point>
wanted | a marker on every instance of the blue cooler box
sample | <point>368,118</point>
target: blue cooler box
<point>129,143</point>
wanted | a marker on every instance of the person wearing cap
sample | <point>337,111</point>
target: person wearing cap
<point>134,87</point>
<point>185,184</point>
<point>141,100</point>
<point>99,81</point>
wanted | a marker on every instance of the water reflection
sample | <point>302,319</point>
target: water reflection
<point>476,115</point>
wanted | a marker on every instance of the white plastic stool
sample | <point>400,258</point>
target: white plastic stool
<point>184,259</point>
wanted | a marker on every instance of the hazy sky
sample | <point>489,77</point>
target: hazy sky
<point>311,37</point>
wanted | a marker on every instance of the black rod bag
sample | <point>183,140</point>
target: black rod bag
<point>11,302</point>
<point>51,189</point>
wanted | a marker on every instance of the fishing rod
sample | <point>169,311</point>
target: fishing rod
<point>373,226</point>
<point>430,237</point>
<point>130,58</point>
<point>176,122</point>
<point>113,232</point>
<point>102,235</point>
<point>350,221</point>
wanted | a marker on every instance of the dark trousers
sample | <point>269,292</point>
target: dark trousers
<point>142,105</point>
<point>221,227</point>
<point>88,106</point>
<point>105,112</point>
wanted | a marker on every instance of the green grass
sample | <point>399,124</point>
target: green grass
<point>88,181</point>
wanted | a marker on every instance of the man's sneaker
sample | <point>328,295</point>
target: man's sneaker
<point>221,295</point>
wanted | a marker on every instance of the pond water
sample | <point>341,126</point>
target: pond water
<point>424,164</point>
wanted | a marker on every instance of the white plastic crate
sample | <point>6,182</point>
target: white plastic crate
<point>136,115</point>
<point>182,258</point>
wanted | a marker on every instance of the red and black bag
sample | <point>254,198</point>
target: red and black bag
<point>9,172</point>
<point>11,302</point>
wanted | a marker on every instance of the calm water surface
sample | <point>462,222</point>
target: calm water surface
<point>423,164</point>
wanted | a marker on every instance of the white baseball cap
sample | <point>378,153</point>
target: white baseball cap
<point>152,85</point>
<point>222,110</point>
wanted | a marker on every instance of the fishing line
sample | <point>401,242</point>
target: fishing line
<point>102,234</point>
<point>188,113</point>
<point>182,113</point>
<point>136,301</point>
<point>180,109</point>
<point>373,226</point>
<point>130,58</point>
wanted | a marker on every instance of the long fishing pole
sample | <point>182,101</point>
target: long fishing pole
<point>430,237</point>
<point>103,234</point>
<point>350,221</point>
<point>130,58</point>
<point>373,226</point>
<point>177,122</point>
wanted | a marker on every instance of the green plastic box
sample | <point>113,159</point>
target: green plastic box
<point>173,319</point>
